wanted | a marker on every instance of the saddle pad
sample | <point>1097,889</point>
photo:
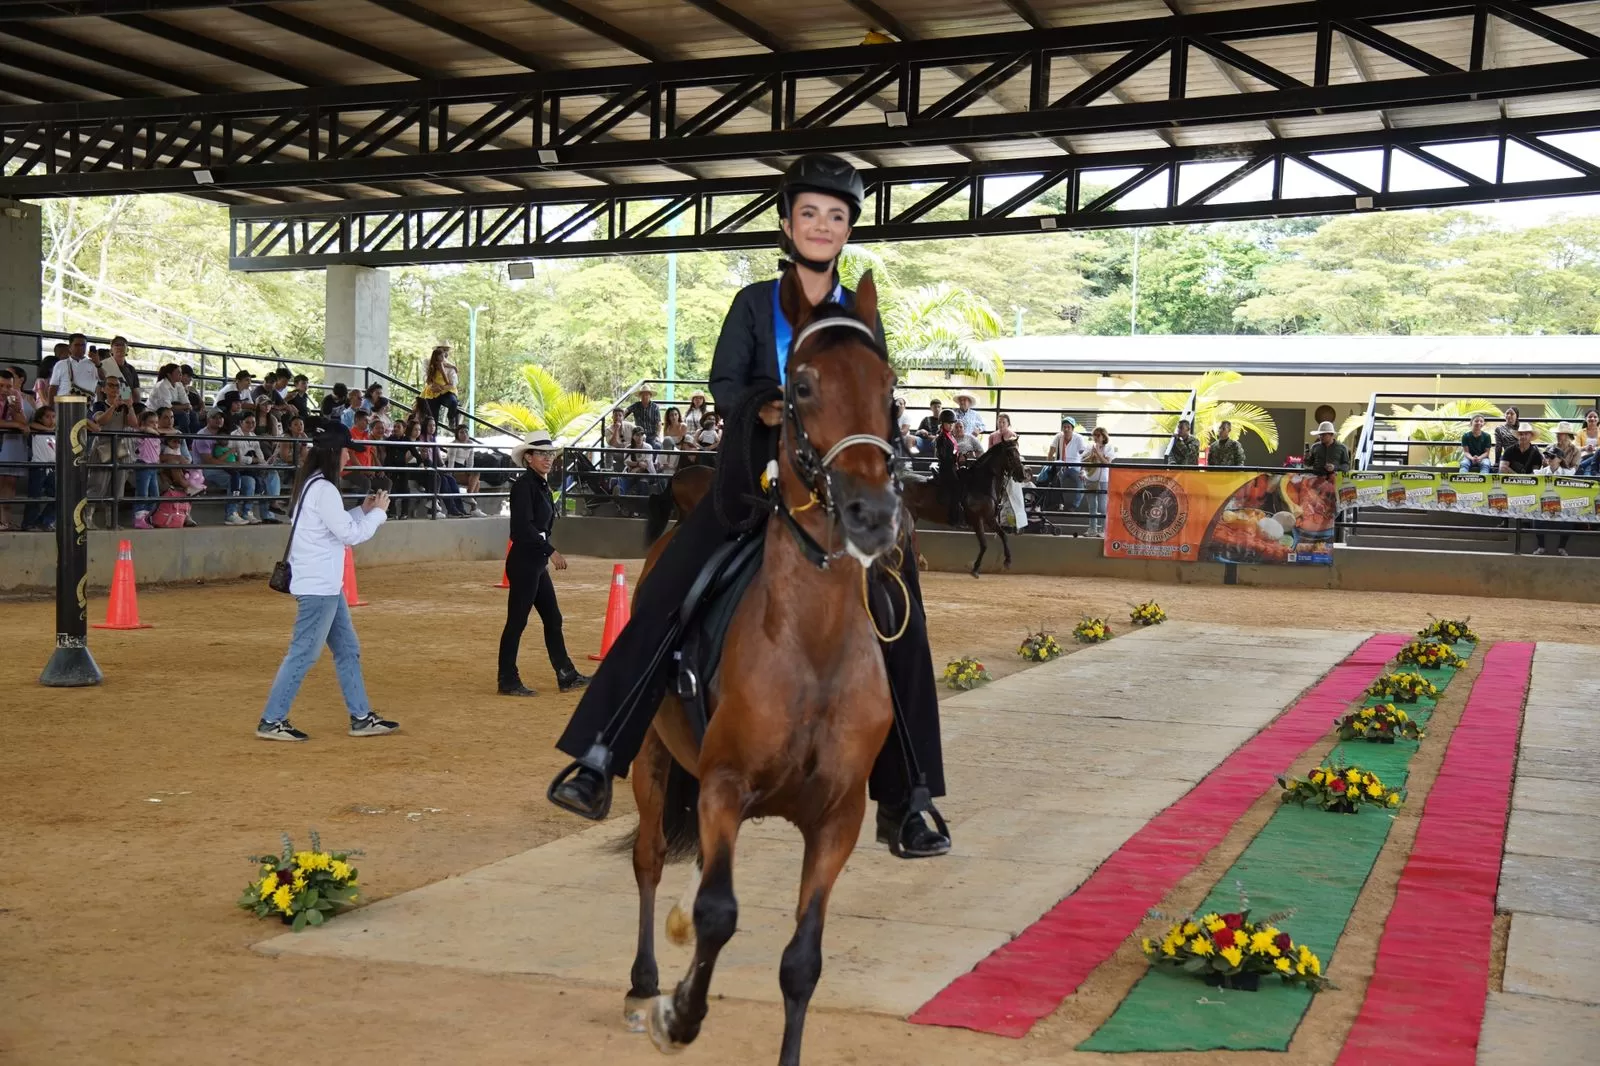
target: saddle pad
<point>709,614</point>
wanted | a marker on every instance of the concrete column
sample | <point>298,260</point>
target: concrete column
<point>21,291</point>
<point>357,322</point>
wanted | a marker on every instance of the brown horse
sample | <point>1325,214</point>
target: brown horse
<point>801,706</point>
<point>981,484</point>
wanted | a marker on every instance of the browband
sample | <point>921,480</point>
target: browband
<point>829,323</point>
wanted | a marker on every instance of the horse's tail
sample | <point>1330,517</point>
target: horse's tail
<point>658,512</point>
<point>680,818</point>
<point>680,814</point>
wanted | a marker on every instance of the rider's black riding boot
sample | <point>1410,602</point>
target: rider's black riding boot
<point>909,835</point>
<point>584,788</point>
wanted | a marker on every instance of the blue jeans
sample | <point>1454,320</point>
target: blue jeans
<point>147,487</point>
<point>319,620</point>
<point>271,483</point>
<point>1479,465</point>
<point>232,482</point>
<point>1097,506</point>
<point>41,482</point>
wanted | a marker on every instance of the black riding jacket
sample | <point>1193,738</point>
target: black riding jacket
<point>533,514</point>
<point>747,351</point>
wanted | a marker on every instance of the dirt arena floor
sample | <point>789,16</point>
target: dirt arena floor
<point>127,813</point>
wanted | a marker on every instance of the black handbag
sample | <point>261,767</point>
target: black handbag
<point>282,574</point>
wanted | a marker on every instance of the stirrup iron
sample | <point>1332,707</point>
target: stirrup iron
<point>598,759</point>
<point>921,803</point>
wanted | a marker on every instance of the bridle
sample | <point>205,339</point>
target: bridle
<point>814,469</point>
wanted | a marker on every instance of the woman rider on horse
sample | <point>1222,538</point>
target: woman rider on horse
<point>818,202</point>
<point>949,462</point>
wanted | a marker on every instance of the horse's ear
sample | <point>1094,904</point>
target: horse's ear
<point>867,300</point>
<point>792,299</point>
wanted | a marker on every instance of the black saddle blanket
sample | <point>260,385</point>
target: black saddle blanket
<point>705,617</point>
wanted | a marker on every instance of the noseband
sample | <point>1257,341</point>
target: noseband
<point>816,470</point>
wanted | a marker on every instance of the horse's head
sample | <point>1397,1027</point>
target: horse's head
<point>837,398</point>
<point>1008,456</point>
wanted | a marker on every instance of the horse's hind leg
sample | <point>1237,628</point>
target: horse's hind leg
<point>1005,542</point>
<point>983,545</point>
<point>675,1020</point>
<point>649,856</point>
<point>827,848</point>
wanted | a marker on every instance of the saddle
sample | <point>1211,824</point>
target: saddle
<point>705,617</point>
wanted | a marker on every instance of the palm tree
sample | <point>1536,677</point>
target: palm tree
<point>1442,423</point>
<point>550,407</point>
<point>1209,411</point>
<point>942,327</point>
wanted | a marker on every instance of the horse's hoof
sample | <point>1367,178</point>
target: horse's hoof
<point>661,1026</point>
<point>680,928</point>
<point>636,1013</point>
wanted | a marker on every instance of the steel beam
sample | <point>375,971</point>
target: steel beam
<point>904,203</point>
<point>557,110</point>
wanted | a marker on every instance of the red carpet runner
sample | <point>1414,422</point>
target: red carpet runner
<point>1007,993</point>
<point>1425,1001</point>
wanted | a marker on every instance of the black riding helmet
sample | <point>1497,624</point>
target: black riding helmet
<point>825,174</point>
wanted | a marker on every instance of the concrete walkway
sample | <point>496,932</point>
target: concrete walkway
<point>1048,773</point>
<point>1549,1011</point>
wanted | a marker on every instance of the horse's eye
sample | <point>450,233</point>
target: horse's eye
<point>802,390</point>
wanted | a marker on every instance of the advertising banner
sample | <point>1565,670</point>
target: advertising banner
<point>1550,497</point>
<point>1218,515</point>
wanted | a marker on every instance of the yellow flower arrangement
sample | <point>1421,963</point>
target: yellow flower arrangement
<point>1449,630</point>
<point>1041,647</point>
<point>1091,631</point>
<point>1231,950</point>
<point>1381,724</point>
<point>301,888</point>
<point>965,674</point>
<point>1403,686</point>
<point>1148,614</point>
<point>1430,655</point>
<point>1340,789</point>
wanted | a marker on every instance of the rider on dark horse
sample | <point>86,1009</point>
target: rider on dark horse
<point>949,464</point>
<point>818,202</point>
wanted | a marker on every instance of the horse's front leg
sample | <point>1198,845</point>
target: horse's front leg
<point>976,522</point>
<point>1005,542</point>
<point>827,848</point>
<point>675,1020</point>
<point>649,856</point>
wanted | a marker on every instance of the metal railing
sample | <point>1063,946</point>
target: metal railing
<point>1370,452</point>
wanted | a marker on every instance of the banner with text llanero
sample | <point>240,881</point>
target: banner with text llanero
<point>1218,515</point>
<point>1547,497</point>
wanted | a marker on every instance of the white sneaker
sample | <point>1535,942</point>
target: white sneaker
<point>235,520</point>
<point>1538,551</point>
<point>1561,552</point>
<point>252,520</point>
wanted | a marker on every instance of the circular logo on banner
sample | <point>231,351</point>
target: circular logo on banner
<point>1154,508</point>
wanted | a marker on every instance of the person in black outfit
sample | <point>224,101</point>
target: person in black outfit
<point>1524,457</point>
<point>533,513</point>
<point>819,201</point>
<point>944,448</point>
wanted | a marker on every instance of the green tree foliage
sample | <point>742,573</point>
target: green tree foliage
<point>155,268</point>
<point>548,407</point>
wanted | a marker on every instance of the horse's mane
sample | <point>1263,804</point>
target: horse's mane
<point>745,439</point>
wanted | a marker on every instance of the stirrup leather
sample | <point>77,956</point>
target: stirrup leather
<point>598,759</point>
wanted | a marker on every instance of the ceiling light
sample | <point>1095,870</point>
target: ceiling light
<point>1047,223</point>
<point>203,177</point>
<point>895,119</point>
<point>548,157</point>
<point>519,271</point>
<point>1363,203</point>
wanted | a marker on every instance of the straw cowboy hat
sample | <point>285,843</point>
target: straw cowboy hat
<point>1326,427</point>
<point>647,390</point>
<point>1566,427</point>
<point>537,442</point>
<point>964,395</point>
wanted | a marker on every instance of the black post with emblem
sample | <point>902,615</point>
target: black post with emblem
<point>71,665</point>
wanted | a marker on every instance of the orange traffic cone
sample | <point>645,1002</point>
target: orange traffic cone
<point>351,596</point>
<point>505,582</point>
<point>616,610</point>
<point>122,612</point>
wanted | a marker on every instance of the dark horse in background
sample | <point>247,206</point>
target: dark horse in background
<point>981,484</point>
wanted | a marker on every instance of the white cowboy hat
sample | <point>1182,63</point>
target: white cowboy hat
<point>1565,427</point>
<point>537,442</point>
<point>964,395</point>
<point>647,390</point>
<point>1326,427</point>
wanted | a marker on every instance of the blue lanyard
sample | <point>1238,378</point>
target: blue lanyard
<point>783,332</point>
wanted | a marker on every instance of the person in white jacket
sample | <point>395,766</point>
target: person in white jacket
<point>322,531</point>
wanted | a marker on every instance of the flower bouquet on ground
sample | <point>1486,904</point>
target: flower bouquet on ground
<point>1091,631</point>
<point>1430,655</point>
<point>1341,789</point>
<point>1381,724</point>
<point>1448,629</point>
<point>1231,951</point>
<point>1148,614</point>
<point>965,674</point>
<point>1403,687</point>
<point>301,888</point>
<point>1041,647</point>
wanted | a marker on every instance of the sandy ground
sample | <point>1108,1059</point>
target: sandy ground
<point>129,810</point>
